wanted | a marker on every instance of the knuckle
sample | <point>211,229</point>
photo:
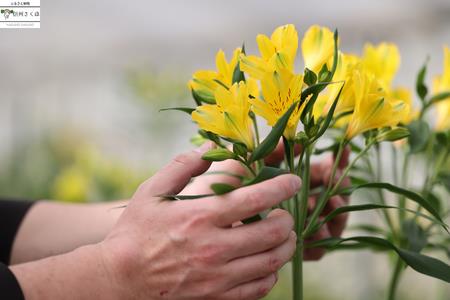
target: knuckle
<point>209,254</point>
<point>182,159</point>
<point>274,263</point>
<point>209,289</point>
<point>264,288</point>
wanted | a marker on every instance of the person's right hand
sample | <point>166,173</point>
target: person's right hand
<point>162,249</point>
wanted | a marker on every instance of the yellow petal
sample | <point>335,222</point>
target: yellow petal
<point>255,66</point>
<point>221,63</point>
<point>285,38</point>
<point>317,47</point>
<point>266,47</point>
<point>382,60</point>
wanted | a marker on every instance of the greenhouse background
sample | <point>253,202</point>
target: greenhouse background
<point>79,98</point>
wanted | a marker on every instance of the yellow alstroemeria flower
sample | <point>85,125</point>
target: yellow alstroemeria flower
<point>317,47</point>
<point>347,64</point>
<point>373,108</point>
<point>277,52</point>
<point>442,84</point>
<point>383,61</point>
<point>205,82</point>
<point>229,117</point>
<point>405,95</point>
<point>280,90</point>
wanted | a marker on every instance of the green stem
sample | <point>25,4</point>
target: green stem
<point>259,163</point>
<point>322,201</point>
<point>395,279</point>
<point>404,184</point>
<point>350,166</point>
<point>300,214</point>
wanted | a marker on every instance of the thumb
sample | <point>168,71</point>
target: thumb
<point>172,178</point>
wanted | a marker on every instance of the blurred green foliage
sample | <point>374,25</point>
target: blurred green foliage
<point>63,165</point>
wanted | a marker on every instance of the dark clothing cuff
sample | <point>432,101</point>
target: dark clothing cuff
<point>12,213</point>
<point>9,286</point>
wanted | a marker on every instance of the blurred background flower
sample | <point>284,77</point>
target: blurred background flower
<point>80,97</point>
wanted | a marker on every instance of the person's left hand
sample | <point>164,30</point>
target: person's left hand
<point>320,174</point>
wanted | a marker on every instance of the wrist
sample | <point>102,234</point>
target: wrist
<point>80,274</point>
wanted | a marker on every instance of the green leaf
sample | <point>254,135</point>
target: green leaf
<point>358,180</point>
<point>443,139</point>
<point>265,173</point>
<point>184,197</point>
<point>210,136</point>
<point>201,97</point>
<point>253,219</point>
<point>394,189</point>
<point>197,140</point>
<point>435,202</point>
<point>425,264</point>
<point>419,135</point>
<point>415,235</point>
<point>364,207</point>
<point>310,77</point>
<point>271,141</point>
<point>324,73</point>
<point>329,117</point>
<point>355,148</point>
<point>368,228</point>
<point>240,149</point>
<point>421,88</point>
<point>219,154</point>
<point>392,135</point>
<point>444,179</point>
<point>187,110</point>
<point>439,97</point>
<point>421,263</point>
<point>238,75</point>
<point>335,54</point>
<point>221,188</point>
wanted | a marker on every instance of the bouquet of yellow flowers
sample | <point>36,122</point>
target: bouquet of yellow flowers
<point>344,101</point>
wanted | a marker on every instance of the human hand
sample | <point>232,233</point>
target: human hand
<point>320,175</point>
<point>188,249</point>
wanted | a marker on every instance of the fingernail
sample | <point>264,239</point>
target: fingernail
<point>204,148</point>
<point>296,182</point>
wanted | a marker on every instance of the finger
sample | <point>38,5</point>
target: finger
<point>172,178</point>
<point>248,201</point>
<point>312,202</point>
<point>226,172</point>
<point>336,225</point>
<point>262,264</point>
<point>316,175</point>
<point>277,156</point>
<point>260,236</point>
<point>316,253</point>
<point>252,290</point>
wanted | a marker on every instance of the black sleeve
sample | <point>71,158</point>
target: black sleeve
<point>11,214</point>
<point>9,286</point>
